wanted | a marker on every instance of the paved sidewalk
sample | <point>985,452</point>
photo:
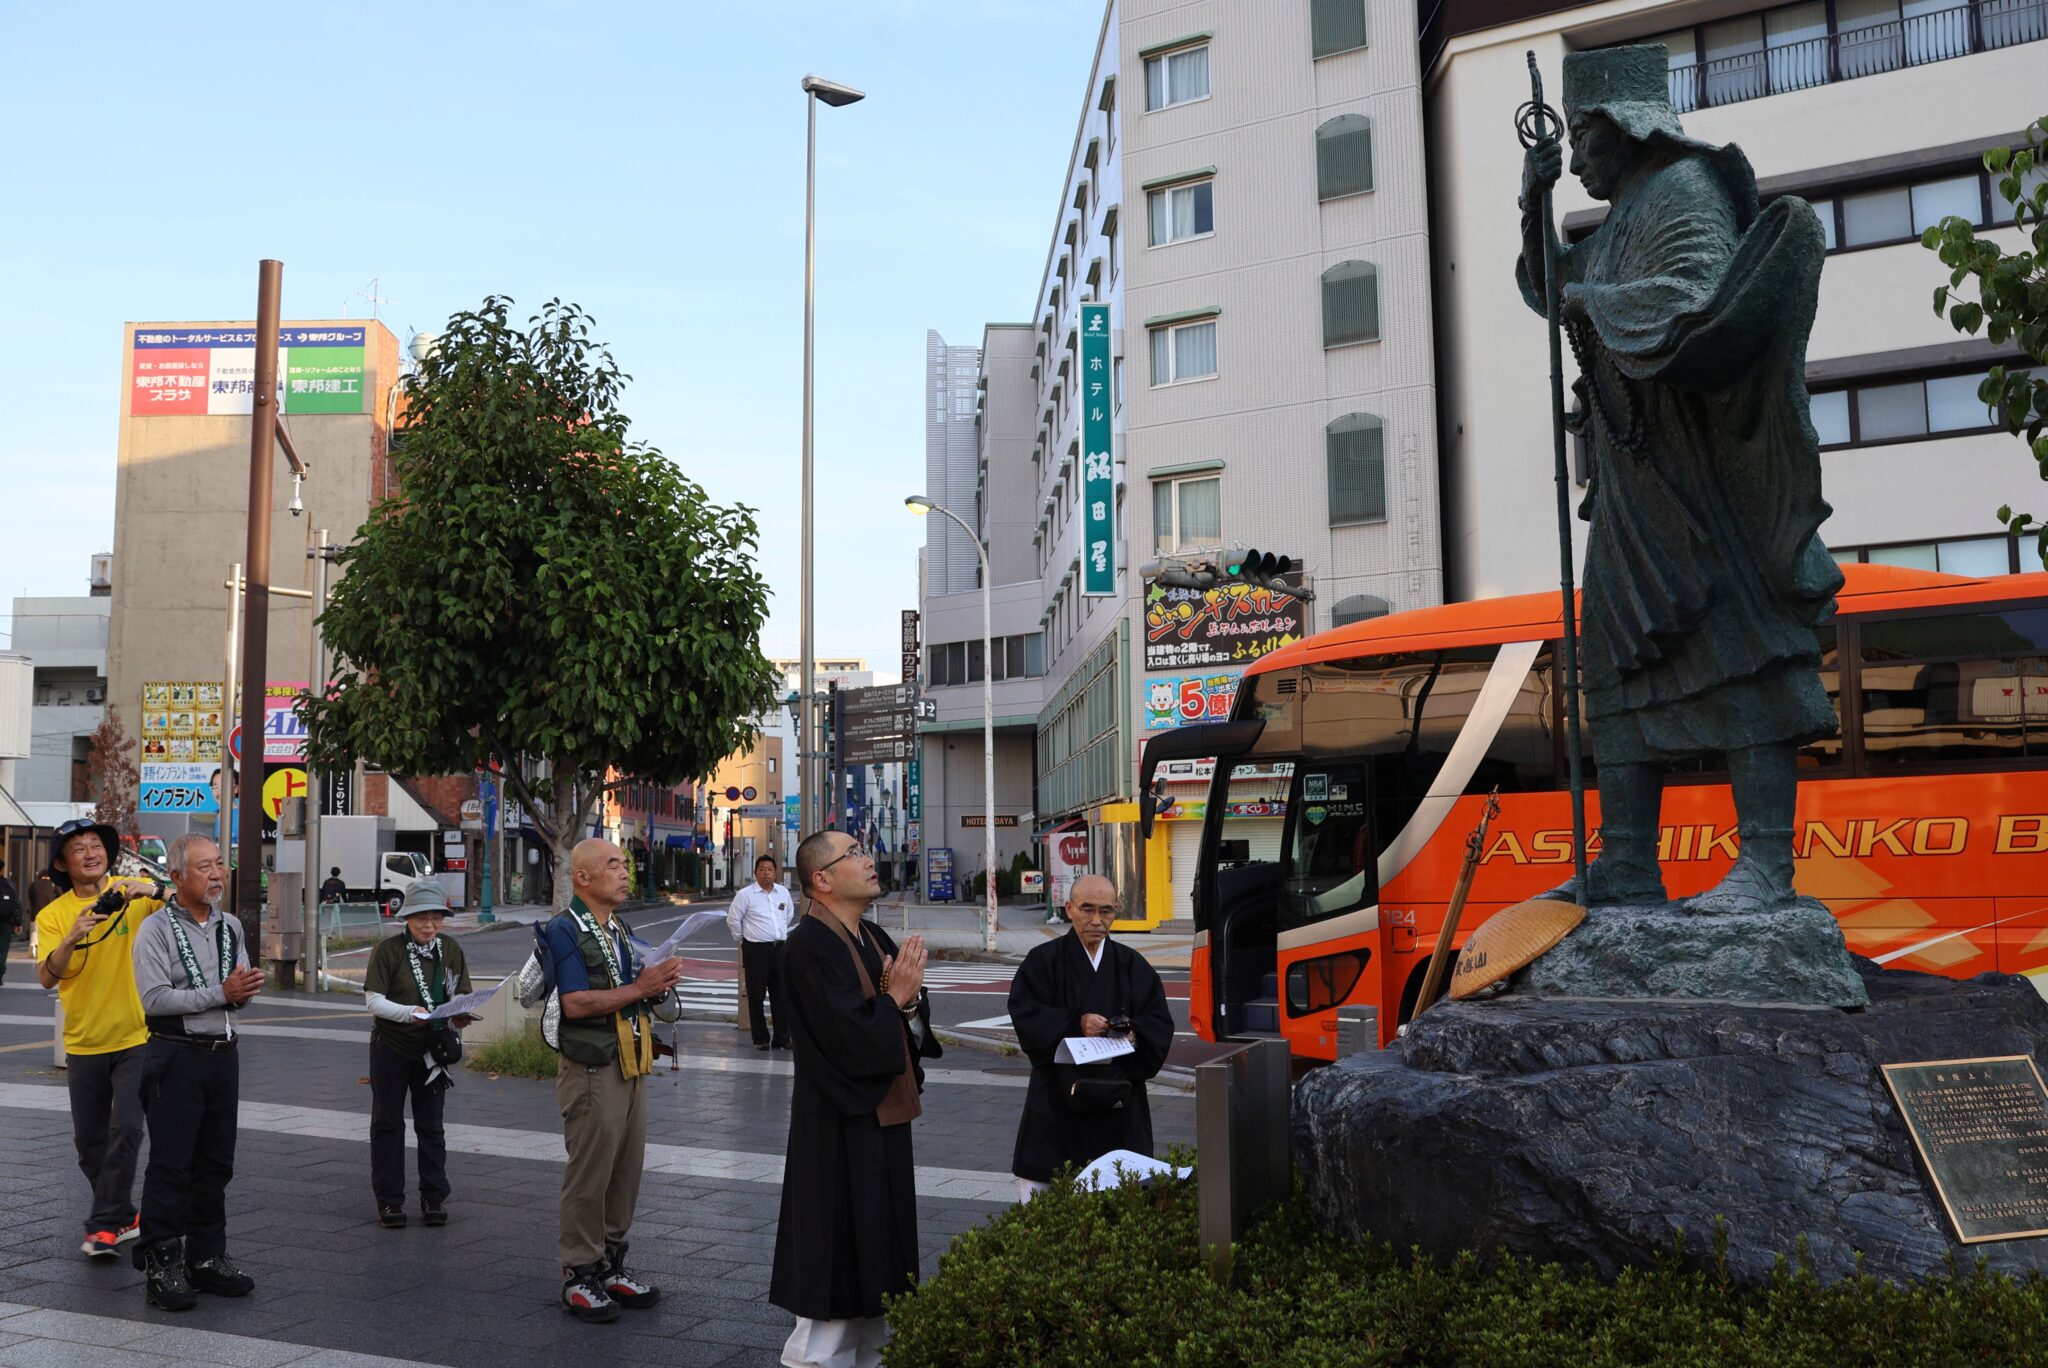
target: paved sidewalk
<point>481,1293</point>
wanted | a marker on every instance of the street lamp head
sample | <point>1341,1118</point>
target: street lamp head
<point>832,92</point>
<point>918,504</point>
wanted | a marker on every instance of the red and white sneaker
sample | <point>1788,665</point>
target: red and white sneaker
<point>129,1231</point>
<point>583,1294</point>
<point>100,1244</point>
<point>621,1286</point>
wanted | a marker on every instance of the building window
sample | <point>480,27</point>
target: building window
<point>1336,26</point>
<point>1173,78</point>
<point>1344,157</point>
<point>1187,514</point>
<point>1179,212</point>
<point>1978,557</point>
<point>1796,47</point>
<point>1358,608</point>
<point>1356,449</point>
<point>1351,303</point>
<point>1116,383</point>
<point>1902,410</point>
<point>1186,352</point>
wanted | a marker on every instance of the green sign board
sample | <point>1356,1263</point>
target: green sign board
<point>913,791</point>
<point>323,380</point>
<point>1098,459</point>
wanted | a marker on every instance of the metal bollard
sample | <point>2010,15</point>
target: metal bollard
<point>1243,1163</point>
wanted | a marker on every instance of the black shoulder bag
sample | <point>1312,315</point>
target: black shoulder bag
<point>1090,1089</point>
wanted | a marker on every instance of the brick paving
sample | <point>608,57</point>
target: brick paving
<point>479,1293</point>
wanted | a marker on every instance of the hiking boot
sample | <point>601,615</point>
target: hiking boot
<point>167,1286</point>
<point>583,1294</point>
<point>391,1215</point>
<point>219,1276</point>
<point>433,1213</point>
<point>101,1244</point>
<point>621,1286</point>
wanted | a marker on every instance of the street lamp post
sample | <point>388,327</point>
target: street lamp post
<point>920,505</point>
<point>815,88</point>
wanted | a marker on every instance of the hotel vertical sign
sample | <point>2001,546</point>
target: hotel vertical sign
<point>1098,459</point>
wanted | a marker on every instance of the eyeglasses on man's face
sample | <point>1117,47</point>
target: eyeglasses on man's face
<point>856,851</point>
<point>1106,910</point>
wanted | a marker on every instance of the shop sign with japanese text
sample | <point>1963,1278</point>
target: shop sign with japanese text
<point>1098,458</point>
<point>1230,624</point>
<point>1187,699</point>
<point>181,372</point>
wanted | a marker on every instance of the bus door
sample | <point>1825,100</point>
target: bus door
<point>1328,926</point>
<point>1238,887</point>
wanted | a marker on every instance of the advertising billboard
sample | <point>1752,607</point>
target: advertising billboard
<point>193,372</point>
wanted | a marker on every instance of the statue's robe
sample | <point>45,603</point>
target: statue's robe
<point>1053,989</point>
<point>1704,577</point>
<point>848,1229</point>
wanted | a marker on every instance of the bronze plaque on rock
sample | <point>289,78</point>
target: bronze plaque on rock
<point>1981,1126</point>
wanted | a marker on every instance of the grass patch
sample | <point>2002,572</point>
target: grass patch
<point>1078,1280</point>
<point>524,1055</point>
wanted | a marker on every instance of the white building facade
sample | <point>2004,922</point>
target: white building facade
<point>1245,192</point>
<point>1877,116</point>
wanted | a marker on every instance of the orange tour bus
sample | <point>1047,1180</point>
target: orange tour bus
<point>1353,768</point>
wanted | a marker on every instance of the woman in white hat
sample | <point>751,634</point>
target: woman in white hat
<point>410,975</point>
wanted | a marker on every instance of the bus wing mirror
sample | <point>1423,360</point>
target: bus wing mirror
<point>1224,741</point>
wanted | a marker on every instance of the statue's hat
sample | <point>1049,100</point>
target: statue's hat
<point>1630,85</point>
<point>1511,939</point>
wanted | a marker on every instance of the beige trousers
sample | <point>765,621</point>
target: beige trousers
<point>604,1129</point>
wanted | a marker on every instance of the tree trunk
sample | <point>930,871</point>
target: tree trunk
<point>565,812</point>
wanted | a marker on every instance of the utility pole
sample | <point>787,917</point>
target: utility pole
<point>316,684</point>
<point>256,599</point>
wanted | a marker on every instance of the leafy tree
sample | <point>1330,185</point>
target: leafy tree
<point>2011,303</point>
<point>541,590</point>
<point>111,775</point>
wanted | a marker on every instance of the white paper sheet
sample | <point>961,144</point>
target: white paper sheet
<point>1092,1049</point>
<point>669,948</point>
<point>1136,1168</point>
<point>466,1004</point>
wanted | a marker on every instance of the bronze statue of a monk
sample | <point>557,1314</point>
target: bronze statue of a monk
<point>1688,311</point>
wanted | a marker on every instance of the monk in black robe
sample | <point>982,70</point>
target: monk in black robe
<point>1688,310</point>
<point>1085,984</point>
<point>860,1023</point>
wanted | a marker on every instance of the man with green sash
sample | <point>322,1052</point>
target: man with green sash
<point>607,1046</point>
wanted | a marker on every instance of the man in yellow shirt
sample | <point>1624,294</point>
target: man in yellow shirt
<point>85,938</point>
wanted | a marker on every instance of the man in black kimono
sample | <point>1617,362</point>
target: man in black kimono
<point>1688,309</point>
<point>1084,984</point>
<point>859,1021</point>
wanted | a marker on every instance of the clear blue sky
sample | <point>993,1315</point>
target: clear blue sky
<point>643,159</point>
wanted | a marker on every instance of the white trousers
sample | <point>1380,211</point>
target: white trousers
<point>836,1343</point>
<point>1027,1188</point>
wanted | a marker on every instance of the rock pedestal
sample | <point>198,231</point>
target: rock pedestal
<point>1593,1132</point>
<point>1793,956</point>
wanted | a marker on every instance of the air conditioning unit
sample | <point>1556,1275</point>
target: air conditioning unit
<point>95,695</point>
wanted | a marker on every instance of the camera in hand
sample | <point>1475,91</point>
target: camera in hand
<point>1119,1025</point>
<point>111,900</point>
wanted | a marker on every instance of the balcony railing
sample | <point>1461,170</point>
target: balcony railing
<point>1912,41</point>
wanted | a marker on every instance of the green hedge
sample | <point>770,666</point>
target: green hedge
<point>1077,1280</point>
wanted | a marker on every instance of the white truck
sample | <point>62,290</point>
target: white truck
<point>365,849</point>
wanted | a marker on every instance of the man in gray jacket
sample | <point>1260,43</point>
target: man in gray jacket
<point>191,972</point>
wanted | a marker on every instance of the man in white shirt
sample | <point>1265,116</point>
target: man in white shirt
<point>760,918</point>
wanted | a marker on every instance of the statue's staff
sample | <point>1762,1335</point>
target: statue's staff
<point>1537,124</point>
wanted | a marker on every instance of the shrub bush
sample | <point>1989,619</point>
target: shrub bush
<point>1078,1280</point>
<point>524,1055</point>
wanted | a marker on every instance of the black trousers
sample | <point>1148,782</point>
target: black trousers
<point>106,1128</point>
<point>393,1078</point>
<point>193,1097</point>
<point>763,963</point>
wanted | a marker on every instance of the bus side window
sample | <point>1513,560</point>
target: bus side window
<point>1954,688</point>
<point>1826,753</point>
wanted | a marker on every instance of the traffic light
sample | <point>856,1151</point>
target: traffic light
<point>1194,574</point>
<point>1261,569</point>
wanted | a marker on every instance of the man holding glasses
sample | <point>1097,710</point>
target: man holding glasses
<point>83,937</point>
<point>1083,985</point>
